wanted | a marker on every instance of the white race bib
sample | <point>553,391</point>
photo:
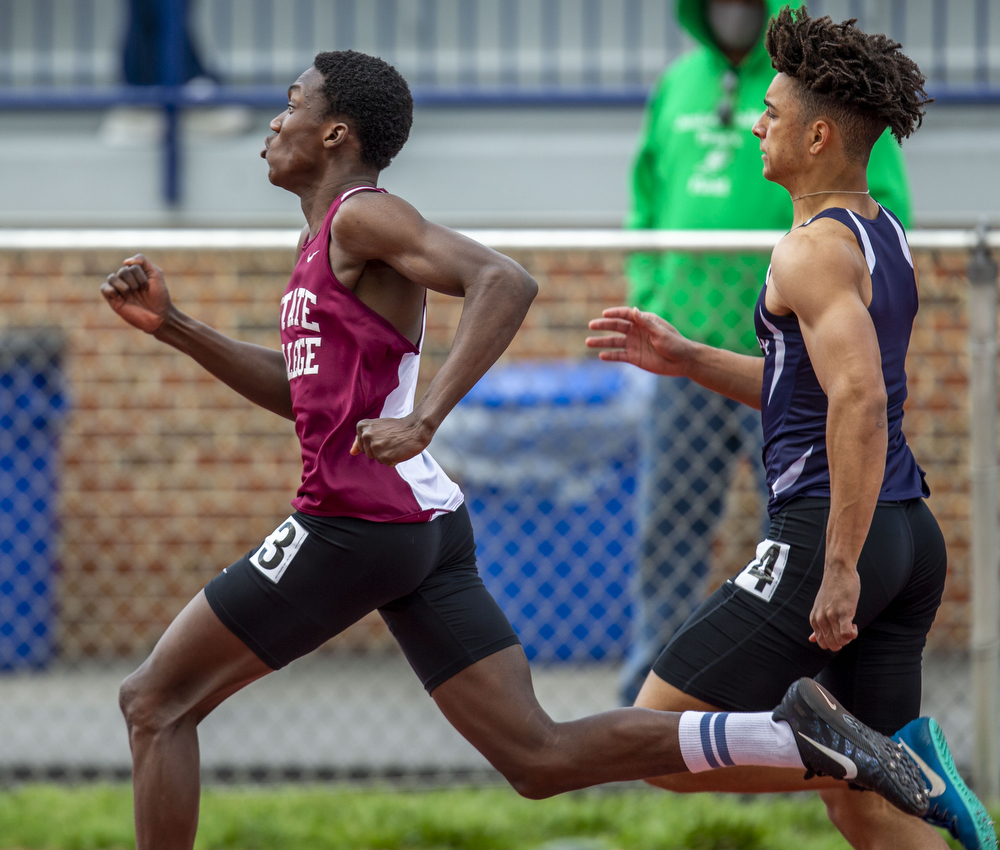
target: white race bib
<point>763,574</point>
<point>278,549</point>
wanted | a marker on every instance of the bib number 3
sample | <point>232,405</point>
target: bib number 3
<point>762,575</point>
<point>279,548</point>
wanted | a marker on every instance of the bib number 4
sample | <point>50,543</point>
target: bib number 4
<point>763,574</point>
<point>279,548</point>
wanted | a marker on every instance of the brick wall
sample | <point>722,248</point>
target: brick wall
<point>168,475</point>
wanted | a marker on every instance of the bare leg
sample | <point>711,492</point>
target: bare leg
<point>658,695</point>
<point>195,666</point>
<point>493,705</point>
<point>866,820</point>
<point>870,823</point>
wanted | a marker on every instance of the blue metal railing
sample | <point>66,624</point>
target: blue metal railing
<point>473,44</point>
<point>66,54</point>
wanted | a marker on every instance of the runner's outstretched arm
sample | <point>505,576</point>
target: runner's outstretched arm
<point>497,293</point>
<point>651,343</point>
<point>138,293</point>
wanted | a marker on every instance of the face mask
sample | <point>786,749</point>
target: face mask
<point>735,25</point>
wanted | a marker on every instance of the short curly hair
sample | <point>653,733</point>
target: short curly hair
<point>863,82</point>
<point>374,96</point>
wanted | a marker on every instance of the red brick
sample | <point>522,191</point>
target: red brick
<point>167,475</point>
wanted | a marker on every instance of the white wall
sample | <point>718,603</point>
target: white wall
<point>463,167</point>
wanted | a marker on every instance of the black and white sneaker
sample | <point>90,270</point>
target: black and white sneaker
<point>832,742</point>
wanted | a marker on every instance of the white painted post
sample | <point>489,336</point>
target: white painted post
<point>985,514</point>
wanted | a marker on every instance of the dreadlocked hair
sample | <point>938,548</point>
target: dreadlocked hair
<point>374,96</point>
<point>861,81</point>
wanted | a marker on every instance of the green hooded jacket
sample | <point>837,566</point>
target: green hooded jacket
<point>694,173</point>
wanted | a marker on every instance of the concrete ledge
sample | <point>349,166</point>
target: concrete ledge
<point>517,239</point>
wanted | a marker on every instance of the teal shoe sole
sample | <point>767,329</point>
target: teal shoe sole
<point>981,820</point>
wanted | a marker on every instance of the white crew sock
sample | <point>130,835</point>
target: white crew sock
<point>724,739</point>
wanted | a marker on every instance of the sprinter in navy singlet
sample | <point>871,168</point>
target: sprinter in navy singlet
<point>847,582</point>
<point>793,406</point>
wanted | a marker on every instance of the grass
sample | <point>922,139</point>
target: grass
<point>95,817</point>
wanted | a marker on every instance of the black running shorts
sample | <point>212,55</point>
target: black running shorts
<point>750,639</point>
<point>314,576</point>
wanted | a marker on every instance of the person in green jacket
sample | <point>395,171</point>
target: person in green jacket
<point>698,167</point>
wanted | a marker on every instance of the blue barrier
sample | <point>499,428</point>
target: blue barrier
<point>547,457</point>
<point>32,406</point>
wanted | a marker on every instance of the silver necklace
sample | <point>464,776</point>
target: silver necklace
<point>832,192</point>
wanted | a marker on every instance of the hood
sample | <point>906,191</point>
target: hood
<point>691,16</point>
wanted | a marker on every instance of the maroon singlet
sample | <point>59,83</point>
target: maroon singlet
<point>347,363</point>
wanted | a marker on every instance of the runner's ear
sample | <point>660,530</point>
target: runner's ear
<point>335,133</point>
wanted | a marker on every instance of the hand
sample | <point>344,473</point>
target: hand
<point>138,293</point>
<point>644,340</point>
<point>391,441</point>
<point>832,616</point>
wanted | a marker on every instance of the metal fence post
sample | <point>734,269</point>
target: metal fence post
<point>983,472</point>
<point>172,29</point>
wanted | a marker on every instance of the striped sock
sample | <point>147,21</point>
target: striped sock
<point>725,739</point>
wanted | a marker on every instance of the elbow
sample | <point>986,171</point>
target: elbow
<point>881,404</point>
<point>510,278</point>
<point>876,402</point>
<point>524,284</point>
<point>529,286</point>
<point>867,399</point>
<point>879,416</point>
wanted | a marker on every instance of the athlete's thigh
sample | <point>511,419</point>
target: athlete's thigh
<point>314,576</point>
<point>195,664</point>
<point>750,639</point>
<point>878,675</point>
<point>449,621</point>
<point>492,704</point>
<point>662,696</point>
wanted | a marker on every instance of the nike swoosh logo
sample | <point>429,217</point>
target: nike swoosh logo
<point>850,768</point>
<point>832,705</point>
<point>310,256</point>
<point>938,786</point>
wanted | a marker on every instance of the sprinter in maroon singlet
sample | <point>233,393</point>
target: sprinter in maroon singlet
<point>345,363</point>
<point>377,524</point>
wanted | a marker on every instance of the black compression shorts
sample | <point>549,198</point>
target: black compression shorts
<point>314,576</point>
<point>750,639</point>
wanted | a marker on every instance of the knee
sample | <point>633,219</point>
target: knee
<point>853,812</point>
<point>837,806</point>
<point>132,699</point>
<point>530,787</point>
<point>533,779</point>
<point>535,771</point>
<point>139,705</point>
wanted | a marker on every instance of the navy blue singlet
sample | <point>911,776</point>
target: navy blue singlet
<point>793,405</point>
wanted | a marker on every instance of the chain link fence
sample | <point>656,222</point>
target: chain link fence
<point>547,455</point>
<point>161,478</point>
<point>32,406</point>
